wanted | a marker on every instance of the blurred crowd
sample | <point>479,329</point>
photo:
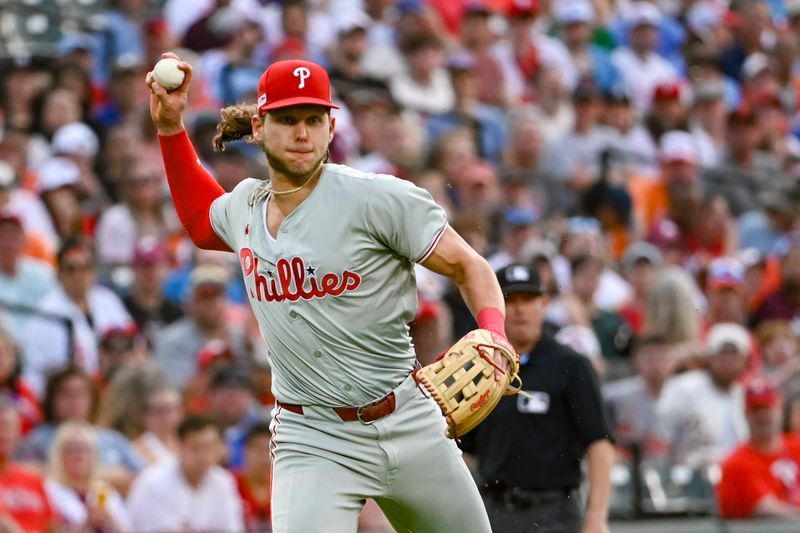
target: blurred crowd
<point>644,156</point>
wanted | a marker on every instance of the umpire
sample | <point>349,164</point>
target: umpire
<point>529,450</point>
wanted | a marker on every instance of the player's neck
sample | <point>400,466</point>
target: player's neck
<point>288,193</point>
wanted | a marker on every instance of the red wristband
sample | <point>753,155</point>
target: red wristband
<point>492,318</point>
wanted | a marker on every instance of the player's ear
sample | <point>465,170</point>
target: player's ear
<point>257,125</point>
<point>332,127</point>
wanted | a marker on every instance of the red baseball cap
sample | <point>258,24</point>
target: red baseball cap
<point>761,393</point>
<point>294,82</point>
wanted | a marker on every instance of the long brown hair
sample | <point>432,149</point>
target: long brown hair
<point>234,124</point>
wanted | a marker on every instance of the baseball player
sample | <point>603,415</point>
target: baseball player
<point>327,254</point>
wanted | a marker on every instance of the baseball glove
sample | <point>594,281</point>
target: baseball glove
<point>467,382</point>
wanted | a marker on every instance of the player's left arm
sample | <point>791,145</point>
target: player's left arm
<point>473,276</point>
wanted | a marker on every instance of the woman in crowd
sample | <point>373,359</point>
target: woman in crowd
<point>83,502</point>
<point>163,412</point>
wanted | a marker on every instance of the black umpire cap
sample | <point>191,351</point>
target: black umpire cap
<point>517,277</point>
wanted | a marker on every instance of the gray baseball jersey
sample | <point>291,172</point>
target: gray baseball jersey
<point>334,292</point>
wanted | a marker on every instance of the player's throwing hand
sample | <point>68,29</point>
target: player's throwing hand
<point>166,108</point>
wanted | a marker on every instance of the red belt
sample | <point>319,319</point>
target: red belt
<point>365,414</point>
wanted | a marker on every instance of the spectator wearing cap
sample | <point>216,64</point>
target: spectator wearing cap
<point>640,66</point>
<point>145,301</point>
<point>517,225</point>
<point>677,194</point>
<point>58,185</point>
<point>178,345</point>
<point>212,358</point>
<point>23,281</point>
<point>233,405</point>
<point>639,266</point>
<point>633,402</point>
<point>724,289</point>
<point>574,159</point>
<point>576,21</point>
<point>761,478</point>
<point>487,122</point>
<point>784,302</point>
<point>347,72</point>
<point>78,143</point>
<point>425,86</point>
<point>529,452</point>
<point>745,171</point>
<point>704,408</point>
<point>584,236</point>
<point>120,348</point>
<point>142,212</point>
<point>707,119</point>
<point>192,491</point>
<point>213,29</point>
<point>124,99</point>
<point>667,110</point>
<point>527,50</point>
<point>90,308</point>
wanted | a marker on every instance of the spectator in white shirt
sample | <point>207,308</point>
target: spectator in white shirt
<point>426,86</point>
<point>192,493</point>
<point>91,309</point>
<point>80,498</point>
<point>704,408</point>
<point>639,66</point>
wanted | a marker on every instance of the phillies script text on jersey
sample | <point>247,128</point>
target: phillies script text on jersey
<point>291,280</point>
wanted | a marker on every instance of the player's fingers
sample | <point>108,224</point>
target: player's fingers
<point>170,54</point>
<point>187,70</point>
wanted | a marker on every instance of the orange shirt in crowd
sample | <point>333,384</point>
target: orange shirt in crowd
<point>749,475</point>
<point>22,497</point>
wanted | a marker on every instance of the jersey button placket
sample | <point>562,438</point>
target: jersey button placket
<point>317,353</point>
<point>348,387</point>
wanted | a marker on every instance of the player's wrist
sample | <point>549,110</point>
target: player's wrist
<point>492,319</point>
<point>167,131</point>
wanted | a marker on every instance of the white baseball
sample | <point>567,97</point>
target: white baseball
<point>167,73</point>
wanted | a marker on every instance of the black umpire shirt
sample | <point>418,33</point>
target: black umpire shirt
<point>539,443</point>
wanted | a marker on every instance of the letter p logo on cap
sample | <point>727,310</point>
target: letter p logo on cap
<point>294,82</point>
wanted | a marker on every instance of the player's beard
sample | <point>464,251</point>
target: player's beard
<point>296,176</point>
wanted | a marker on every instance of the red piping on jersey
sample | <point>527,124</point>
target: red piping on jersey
<point>433,244</point>
<point>193,190</point>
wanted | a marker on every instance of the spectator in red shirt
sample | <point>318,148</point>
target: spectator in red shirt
<point>253,479</point>
<point>23,503</point>
<point>13,386</point>
<point>762,477</point>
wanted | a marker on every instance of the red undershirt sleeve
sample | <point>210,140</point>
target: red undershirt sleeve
<point>193,190</point>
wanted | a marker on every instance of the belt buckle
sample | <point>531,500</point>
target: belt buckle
<point>358,415</point>
<point>373,404</point>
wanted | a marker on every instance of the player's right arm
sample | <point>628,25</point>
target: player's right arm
<point>193,188</point>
